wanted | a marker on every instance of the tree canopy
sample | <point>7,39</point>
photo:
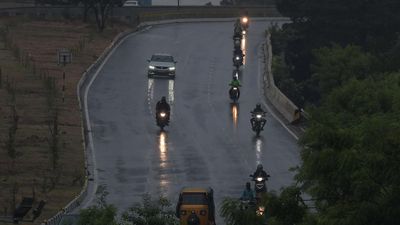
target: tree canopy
<point>351,153</point>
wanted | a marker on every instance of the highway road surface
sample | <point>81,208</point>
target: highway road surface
<point>209,142</point>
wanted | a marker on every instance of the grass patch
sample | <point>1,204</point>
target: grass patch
<point>28,61</point>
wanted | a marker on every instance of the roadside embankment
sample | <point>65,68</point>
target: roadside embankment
<point>41,136</point>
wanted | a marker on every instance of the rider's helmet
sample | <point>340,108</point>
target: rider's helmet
<point>163,99</point>
<point>248,185</point>
<point>259,167</point>
<point>235,78</point>
<point>258,106</point>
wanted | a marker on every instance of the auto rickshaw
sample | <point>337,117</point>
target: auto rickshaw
<point>196,206</point>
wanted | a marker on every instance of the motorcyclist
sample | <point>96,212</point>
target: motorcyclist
<point>235,83</point>
<point>248,193</point>
<point>237,57</point>
<point>163,105</point>
<point>237,27</point>
<point>260,172</point>
<point>257,110</point>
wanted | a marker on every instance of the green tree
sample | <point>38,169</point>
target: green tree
<point>98,215</point>
<point>150,212</point>
<point>351,152</point>
<point>234,213</point>
<point>372,25</point>
<point>336,65</point>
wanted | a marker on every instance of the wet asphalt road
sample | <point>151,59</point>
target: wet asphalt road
<point>208,142</point>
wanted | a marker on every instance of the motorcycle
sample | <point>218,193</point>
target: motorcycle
<point>237,42</point>
<point>259,184</point>
<point>237,60</point>
<point>257,122</point>
<point>234,93</point>
<point>244,22</point>
<point>235,73</point>
<point>162,119</point>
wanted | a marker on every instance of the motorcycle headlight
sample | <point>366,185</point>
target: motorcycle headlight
<point>244,32</point>
<point>259,179</point>
<point>151,67</point>
<point>237,57</point>
<point>171,68</point>
<point>258,117</point>
<point>235,88</point>
<point>260,211</point>
<point>245,19</point>
<point>163,114</point>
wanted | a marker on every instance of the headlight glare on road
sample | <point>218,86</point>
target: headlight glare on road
<point>171,68</point>
<point>151,67</point>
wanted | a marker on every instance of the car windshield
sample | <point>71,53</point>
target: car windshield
<point>162,58</point>
<point>194,199</point>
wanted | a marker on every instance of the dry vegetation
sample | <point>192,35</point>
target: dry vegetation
<point>40,136</point>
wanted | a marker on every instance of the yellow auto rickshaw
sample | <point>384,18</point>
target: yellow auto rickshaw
<point>196,206</point>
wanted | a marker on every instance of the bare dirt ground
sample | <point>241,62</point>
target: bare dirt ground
<point>28,59</point>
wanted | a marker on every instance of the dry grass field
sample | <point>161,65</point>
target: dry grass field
<point>34,160</point>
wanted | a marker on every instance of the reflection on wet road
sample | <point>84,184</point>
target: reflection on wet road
<point>258,148</point>
<point>163,152</point>
<point>243,47</point>
<point>234,113</point>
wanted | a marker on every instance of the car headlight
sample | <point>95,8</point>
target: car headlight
<point>152,67</point>
<point>171,68</point>
<point>258,117</point>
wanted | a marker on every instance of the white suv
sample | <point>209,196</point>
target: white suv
<point>161,65</point>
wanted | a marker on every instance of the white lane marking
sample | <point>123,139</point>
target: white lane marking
<point>261,73</point>
<point>88,124</point>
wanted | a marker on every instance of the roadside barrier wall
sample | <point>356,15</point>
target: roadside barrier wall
<point>282,103</point>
